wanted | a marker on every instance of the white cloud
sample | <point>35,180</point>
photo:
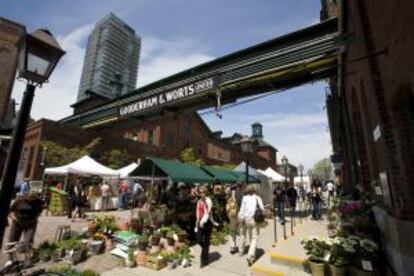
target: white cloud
<point>302,137</point>
<point>162,58</point>
<point>53,100</point>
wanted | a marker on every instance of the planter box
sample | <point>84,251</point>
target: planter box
<point>155,263</point>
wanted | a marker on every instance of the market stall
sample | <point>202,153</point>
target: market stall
<point>87,167</point>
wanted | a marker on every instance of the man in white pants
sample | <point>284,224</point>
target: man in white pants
<point>249,203</point>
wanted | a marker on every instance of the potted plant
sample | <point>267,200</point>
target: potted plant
<point>341,252</point>
<point>185,256</point>
<point>96,244</point>
<point>316,249</point>
<point>169,258</point>
<point>130,260</point>
<point>135,225</point>
<point>170,241</point>
<point>74,249</point>
<point>45,251</point>
<point>365,254</point>
<point>141,257</point>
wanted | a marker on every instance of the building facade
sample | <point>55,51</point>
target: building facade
<point>371,113</point>
<point>11,37</point>
<point>164,137</point>
<point>110,67</point>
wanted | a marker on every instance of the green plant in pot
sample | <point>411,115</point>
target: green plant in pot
<point>366,254</point>
<point>74,248</point>
<point>170,238</point>
<point>143,243</point>
<point>164,230</point>
<point>341,253</point>
<point>130,260</point>
<point>316,249</point>
<point>45,251</point>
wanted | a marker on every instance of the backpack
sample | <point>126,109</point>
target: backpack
<point>259,216</point>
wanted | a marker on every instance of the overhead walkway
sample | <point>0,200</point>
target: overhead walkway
<point>303,56</point>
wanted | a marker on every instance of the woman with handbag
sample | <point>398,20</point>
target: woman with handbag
<point>204,225</point>
<point>251,214</point>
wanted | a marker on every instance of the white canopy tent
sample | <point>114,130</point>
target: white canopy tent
<point>125,171</point>
<point>242,168</point>
<point>274,175</point>
<point>83,166</point>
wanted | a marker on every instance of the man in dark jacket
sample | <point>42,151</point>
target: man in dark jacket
<point>279,197</point>
<point>24,215</point>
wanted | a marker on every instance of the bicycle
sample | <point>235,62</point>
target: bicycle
<point>19,267</point>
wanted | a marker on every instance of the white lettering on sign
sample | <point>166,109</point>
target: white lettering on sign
<point>166,97</point>
<point>377,133</point>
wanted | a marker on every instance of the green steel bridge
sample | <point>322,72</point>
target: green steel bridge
<point>303,56</point>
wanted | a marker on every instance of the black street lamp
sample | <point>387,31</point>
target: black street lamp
<point>247,148</point>
<point>38,57</point>
<point>300,167</point>
<point>285,162</point>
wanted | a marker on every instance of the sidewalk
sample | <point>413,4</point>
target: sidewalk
<point>222,262</point>
<point>286,257</point>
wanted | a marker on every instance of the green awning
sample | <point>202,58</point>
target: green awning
<point>221,175</point>
<point>241,176</point>
<point>177,171</point>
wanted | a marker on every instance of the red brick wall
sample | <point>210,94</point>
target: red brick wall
<point>378,86</point>
<point>10,34</point>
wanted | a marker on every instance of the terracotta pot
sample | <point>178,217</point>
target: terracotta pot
<point>317,268</point>
<point>337,270</point>
<point>170,241</point>
<point>155,248</point>
<point>359,272</point>
<point>141,258</point>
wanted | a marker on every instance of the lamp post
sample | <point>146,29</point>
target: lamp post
<point>285,162</point>
<point>300,167</point>
<point>247,148</point>
<point>38,57</point>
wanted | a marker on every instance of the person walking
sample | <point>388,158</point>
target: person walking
<point>105,195</point>
<point>204,225</point>
<point>279,197</point>
<point>136,193</point>
<point>24,214</point>
<point>78,196</point>
<point>123,195</point>
<point>24,187</point>
<point>249,205</point>
<point>232,211</point>
<point>292,196</point>
<point>316,201</point>
<point>330,187</point>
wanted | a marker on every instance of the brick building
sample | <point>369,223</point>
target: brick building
<point>11,37</point>
<point>164,137</point>
<point>371,113</point>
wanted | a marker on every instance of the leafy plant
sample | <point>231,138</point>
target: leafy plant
<point>106,223</point>
<point>71,244</point>
<point>316,248</point>
<point>131,255</point>
<point>188,156</point>
<point>218,237</point>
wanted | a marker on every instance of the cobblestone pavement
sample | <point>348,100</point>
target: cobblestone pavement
<point>46,230</point>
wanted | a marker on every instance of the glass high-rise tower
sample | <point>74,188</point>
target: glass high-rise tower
<point>112,55</point>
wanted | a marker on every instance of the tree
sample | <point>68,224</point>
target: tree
<point>58,155</point>
<point>322,169</point>
<point>188,156</point>
<point>227,167</point>
<point>117,158</point>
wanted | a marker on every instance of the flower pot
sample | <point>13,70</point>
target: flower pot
<point>141,258</point>
<point>44,255</point>
<point>95,247</point>
<point>75,256</point>
<point>155,248</point>
<point>170,241</point>
<point>170,265</point>
<point>317,268</point>
<point>155,240</point>
<point>337,270</point>
<point>360,272</point>
<point>55,256</point>
<point>130,263</point>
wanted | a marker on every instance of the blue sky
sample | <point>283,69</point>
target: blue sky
<point>176,35</point>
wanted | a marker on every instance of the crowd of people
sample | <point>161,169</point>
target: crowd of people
<point>310,198</point>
